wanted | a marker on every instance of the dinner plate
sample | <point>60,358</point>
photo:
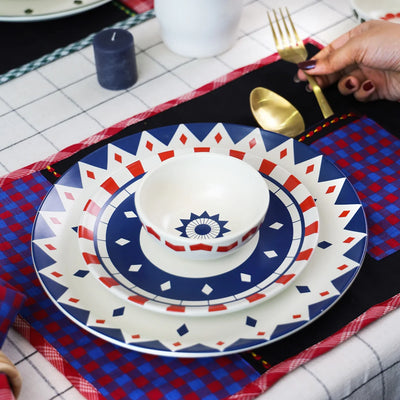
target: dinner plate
<point>365,10</point>
<point>77,292</point>
<point>39,10</point>
<point>132,264</point>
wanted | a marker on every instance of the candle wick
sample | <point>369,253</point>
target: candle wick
<point>113,36</point>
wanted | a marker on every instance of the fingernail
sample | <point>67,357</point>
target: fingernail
<point>368,86</point>
<point>349,84</point>
<point>296,79</point>
<point>308,89</point>
<point>306,65</point>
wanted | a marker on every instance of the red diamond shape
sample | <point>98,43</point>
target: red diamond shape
<point>73,300</point>
<point>252,143</point>
<point>56,274</point>
<point>149,146</point>
<point>69,196</point>
<point>135,336</point>
<point>218,137</point>
<point>283,153</point>
<point>118,157</point>
<point>344,214</point>
<point>90,174</point>
<point>55,220</point>
<point>310,168</point>
<point>183,139</point>
<point>331,189</point>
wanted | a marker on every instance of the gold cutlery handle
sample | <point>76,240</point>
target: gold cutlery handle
<point>321,99</point>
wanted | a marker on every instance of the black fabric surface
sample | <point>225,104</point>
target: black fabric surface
<point>24,42</point>
<point>377,281</point>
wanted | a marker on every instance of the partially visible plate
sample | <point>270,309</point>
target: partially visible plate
<point>39,10</point>
<point>365,10</point>
<point>134,266</point>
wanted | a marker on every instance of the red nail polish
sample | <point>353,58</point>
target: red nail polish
<point>368,86</point>
<point>349,84</point>
<point>306,65</point>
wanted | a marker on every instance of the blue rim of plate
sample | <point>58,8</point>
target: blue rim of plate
<point>332,269</point>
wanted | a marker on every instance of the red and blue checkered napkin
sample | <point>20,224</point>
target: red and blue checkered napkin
<point>370,158</point>
<point>11,301</point>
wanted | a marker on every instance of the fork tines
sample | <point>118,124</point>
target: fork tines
<point>291,38</point>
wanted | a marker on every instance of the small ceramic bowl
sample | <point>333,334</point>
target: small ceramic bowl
<point>365,10</point>
<point>202,205</point>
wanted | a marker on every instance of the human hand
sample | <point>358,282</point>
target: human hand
<point>364,61</point>
<point>14,377</point>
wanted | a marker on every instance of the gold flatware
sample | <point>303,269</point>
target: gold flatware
<point>291,48</point>
<point>274,113</point>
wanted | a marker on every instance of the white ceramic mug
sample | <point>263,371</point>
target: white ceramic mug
<point>198,28</point>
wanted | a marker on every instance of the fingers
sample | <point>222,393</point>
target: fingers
<point>14,377</point>
<point>362,90</point>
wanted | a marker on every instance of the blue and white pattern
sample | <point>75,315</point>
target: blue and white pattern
<point>164,281</point>
<point>65,274</point>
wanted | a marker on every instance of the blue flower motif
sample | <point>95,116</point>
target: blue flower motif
<point>203,226</point>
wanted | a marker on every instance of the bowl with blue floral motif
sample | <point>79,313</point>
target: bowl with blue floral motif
<point>202,205</point>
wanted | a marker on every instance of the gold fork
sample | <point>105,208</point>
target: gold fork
<point>291,48</point>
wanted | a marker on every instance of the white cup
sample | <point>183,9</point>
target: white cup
<point>198,28</point>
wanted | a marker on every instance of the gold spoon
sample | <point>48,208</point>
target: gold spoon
<point>274,113</point>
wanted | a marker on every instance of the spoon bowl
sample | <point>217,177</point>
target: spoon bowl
<point>274,113</point>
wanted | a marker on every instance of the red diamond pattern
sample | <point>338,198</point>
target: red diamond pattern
<point>330,189</point>
<point>218,137</point>
<point>69,196</point>
<point>90,174</point>
<point>118,158</point>
<point>149,146</point>
<point>310,169</point>
<point>183,139</point>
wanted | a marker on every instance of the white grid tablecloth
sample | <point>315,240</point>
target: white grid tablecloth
<point>61,103</point>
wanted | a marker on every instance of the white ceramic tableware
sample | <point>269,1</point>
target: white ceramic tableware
<point>198,28</point>
<point>76,291</point>
<point>202,205</point>
<point>365,10</point>
<point>42,10</point>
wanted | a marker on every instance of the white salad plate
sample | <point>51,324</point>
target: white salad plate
<point>74,286</point>
<point>135,266</point>
<point>40,10</point>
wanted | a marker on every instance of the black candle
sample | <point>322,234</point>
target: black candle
<point>114,54</point>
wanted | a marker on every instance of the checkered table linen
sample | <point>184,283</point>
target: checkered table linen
<point>370,157</point>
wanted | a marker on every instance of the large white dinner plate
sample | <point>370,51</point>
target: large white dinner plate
<point>39,10</point>
<point>365,10</point>
<point>78,293</point>
<point>133,264</point>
